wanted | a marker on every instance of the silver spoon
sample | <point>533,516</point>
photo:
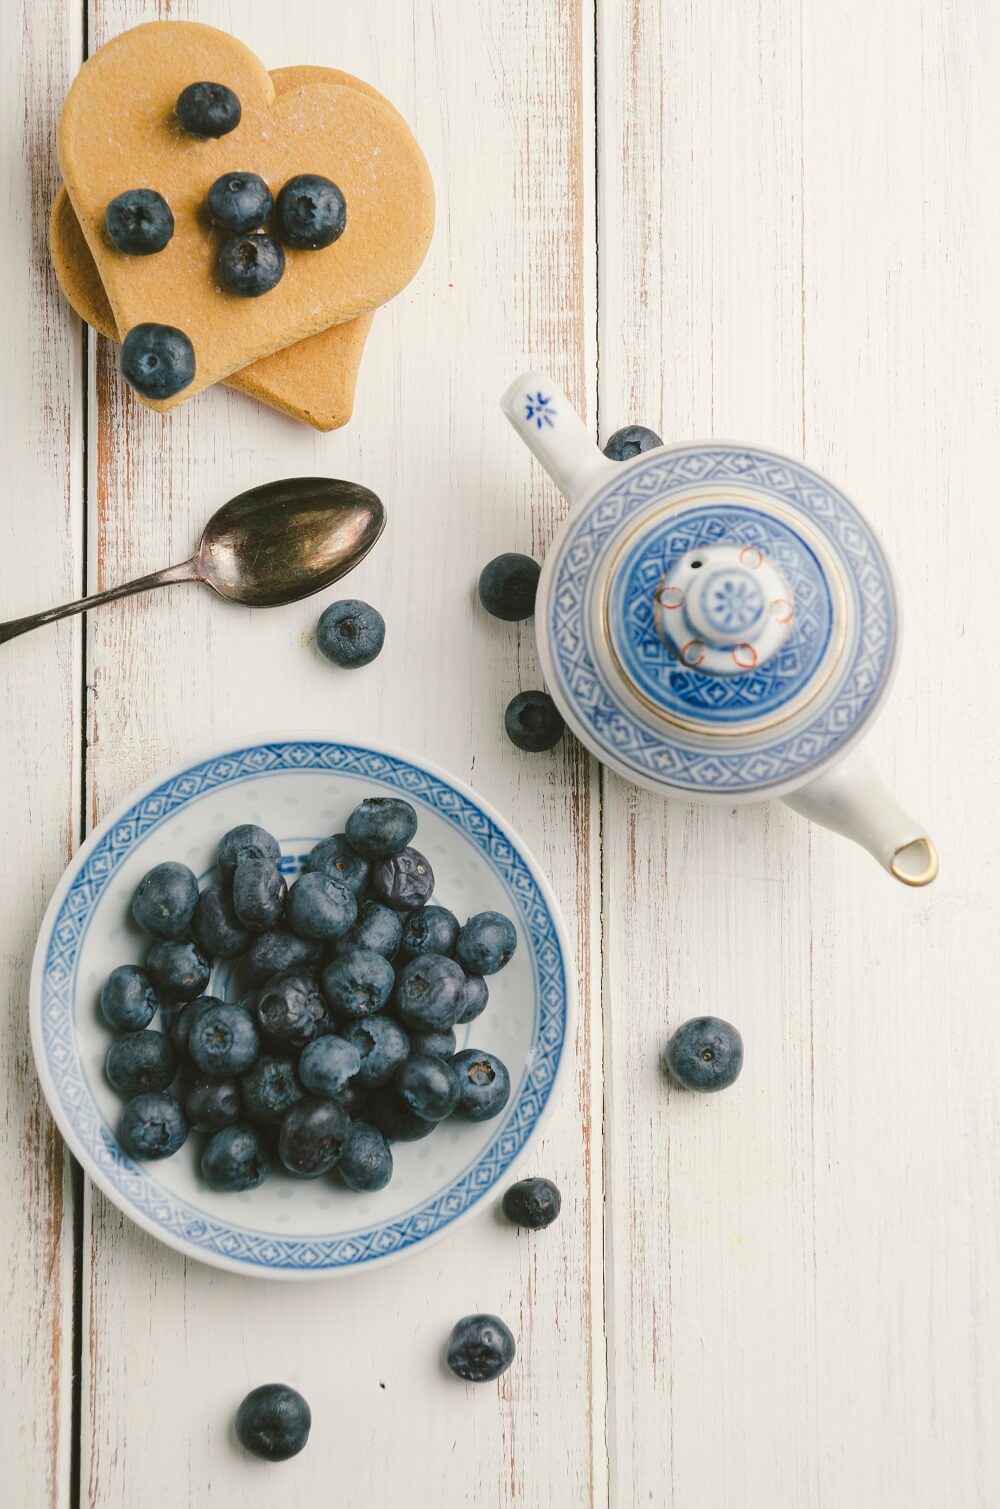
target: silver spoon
<point>269,546</point>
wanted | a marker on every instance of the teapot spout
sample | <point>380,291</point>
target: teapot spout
<point>552,429</point>
<point>852,800</point>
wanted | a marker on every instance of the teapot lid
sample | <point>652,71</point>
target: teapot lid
<point>718,620</point>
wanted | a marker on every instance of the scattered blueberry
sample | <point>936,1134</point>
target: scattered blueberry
<point>336,859</point>
<point>350,633</point>
<point>273,1422</point>
<point>178,970</point>
<point>429,1086</point>
<point>312,1136</point>
<point>378,927</point>
<point>381,826</point>
<point>165,899</point>
<point>239,202</point>
<point>128,1001</point>
<point>276,951</point>
<point>404,881</point>
<point>484,1085</point>
<point>394,1120</point>
<point>430,991</point>
<point>507,586</point>
<point>480,1348</point>
<point>366,1159</point>
<point>533,722</point>
<point>358,983</point>
<point>184,1020</point>
<point>291,1010</point>
<point>152,1125</point>
<point>223,1040</point>
<point>234,1160</point>
<point>435,1044</point>
<point>245,842</point>
<point>216,927</point>
<point>208,109</point>
<point>140,1061</point>
<point>475,998</point>
<point>486,943</point>
<point>630,441</point>
<point>157,360</point>
<point>311,212</point>
<point>259,891</point>
<point>320,908</point>
<point>705,1053</point>
<point>139,222</point>
<point>432,930</point>
<point>383,1046</point>
<point>327,1065</point>
<point>212,1103</point>
<point>534,1203</point>
<point>270,1087</point>
<point>250,265</point>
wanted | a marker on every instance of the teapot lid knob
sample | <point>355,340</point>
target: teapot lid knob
<point>724,609</point>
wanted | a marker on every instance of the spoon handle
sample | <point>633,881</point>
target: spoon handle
<point>187,571</point>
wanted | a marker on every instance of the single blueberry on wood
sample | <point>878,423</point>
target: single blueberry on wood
<point>350,633</point>
<point>705,1053</point>
<point>534,1203</point>
<point>139,222</point>
<point>157,360</point>
<point>631,441</point>
<point>207,109</point>
<point>533,722</point>
<point>508,586</point>
<point>480,1348</point>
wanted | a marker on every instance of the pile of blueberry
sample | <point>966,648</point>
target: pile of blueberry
<point>344,1040</point>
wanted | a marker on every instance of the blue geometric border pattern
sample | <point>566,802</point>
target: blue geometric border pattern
<point>160,1206</point>
<point>719,699</point>
<point>651,753</point>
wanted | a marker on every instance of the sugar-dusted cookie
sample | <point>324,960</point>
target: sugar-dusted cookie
<point>119,131</point>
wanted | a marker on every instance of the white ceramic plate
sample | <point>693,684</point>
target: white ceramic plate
<point>300,789</point>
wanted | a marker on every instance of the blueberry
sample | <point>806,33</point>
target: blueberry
<point>486,943</point>
<point>269,1088</point>
<point>311,212</point>
<point>157,360</point>
<point>354,1099</point>
<point>180,1028</point>
<point>165,899</point>
<point>259,892</point>
<point>378,927</point>
<point>436,1044</point>
<point>245,842</point>
<point>475,998</point>
<point>276,951</point>
<point>208,109</point>
<point>140,1061</point>
<point>223,1040</point>
<point>507,586</point>
<point>705,1053</point>
<point>429,1086</point>
<point>152,1125</point>
<point>394,1120</point>
<point>358,983</point>
<point>290,1009</point>
<point>273,1422</point>
<point>327,1065</point>
<point>239,202</point>
<point>480,1348</point>
<point>366,1160</point>
<point>533,722</point>
<point>383,1046</point>
<point>350,633</point>
<point>381,826</point>
<point>212,1103</point>
<point>430,991</point>
<point>484,1085</point>
<point>405,881</point>
<point>177,969</point>
<point>335,859</point>
<point>320,908</point>
<point>128,1001</point>
<point>139,222</point>
<point>432,930</point>
<point>216,927</point>
<point>234,1160</point>
<point>534,1203</point>
<point>312,1136</point>
<point>630,441</point>
<point>251,265</point>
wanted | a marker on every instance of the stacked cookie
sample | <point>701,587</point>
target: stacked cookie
<point>233,225</point>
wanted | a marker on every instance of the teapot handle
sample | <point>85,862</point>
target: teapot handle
<point>552,429</point>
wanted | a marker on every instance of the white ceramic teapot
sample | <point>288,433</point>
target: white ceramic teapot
<point>718,622</point>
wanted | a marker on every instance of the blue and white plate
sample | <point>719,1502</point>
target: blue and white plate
<point>301,789</point>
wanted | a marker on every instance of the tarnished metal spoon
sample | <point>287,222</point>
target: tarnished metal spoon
<point>269,546</point>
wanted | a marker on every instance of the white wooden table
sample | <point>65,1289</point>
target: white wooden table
<point>771,219</point>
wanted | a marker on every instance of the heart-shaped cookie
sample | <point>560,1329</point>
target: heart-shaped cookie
<point>313,380</point>
<point>119,131</point>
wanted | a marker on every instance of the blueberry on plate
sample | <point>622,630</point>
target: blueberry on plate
<point>140,1061</point>
<point>157,360</point>
<point>480,1348</point>
<point>312,1136</point>
<point>366,1160</point>
<point>311,212</point>
<point>250,265</point>
<point>178,970</point>
<point>534,1203</point>
<point>378,927</point>
<point>139,222</point>
<point>475,998</point>
<point>354,1099</point>
<point>223,1040</point>
<point>239,202</point>
<point>128,1001</point>
<point>486,943</point>
<point>484,1085</point>
<point>428,1086</point>
<point>630,441</point>
<point>381,826</point>
<point>212,1103</point>
<point>404,881</point>
<point>705,1053</point>
<point>327,1065</point>
<point>533,722</point>
<point>508,585</point>
<point>357,983</point>
<point>430,991</point>
<point>291,1010</point>
<point>259,891</point>
<point>335,858</point>
<point>234,1160</point>
<point>246,841</point>
<point>276,951</point>
<point>152,1125</point>
<point>273,1422</point>
<point>320,908</point>
<point>184,1020</point>
<point>432,930</point>
<point>435,1044</point>
<point>394,1120</point>
<point>216,927</point>
<point>270,1087</point>
<point>165,899</point>
<point>350,633</point>
<point>383,1046</point>
<point>207,109</point>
